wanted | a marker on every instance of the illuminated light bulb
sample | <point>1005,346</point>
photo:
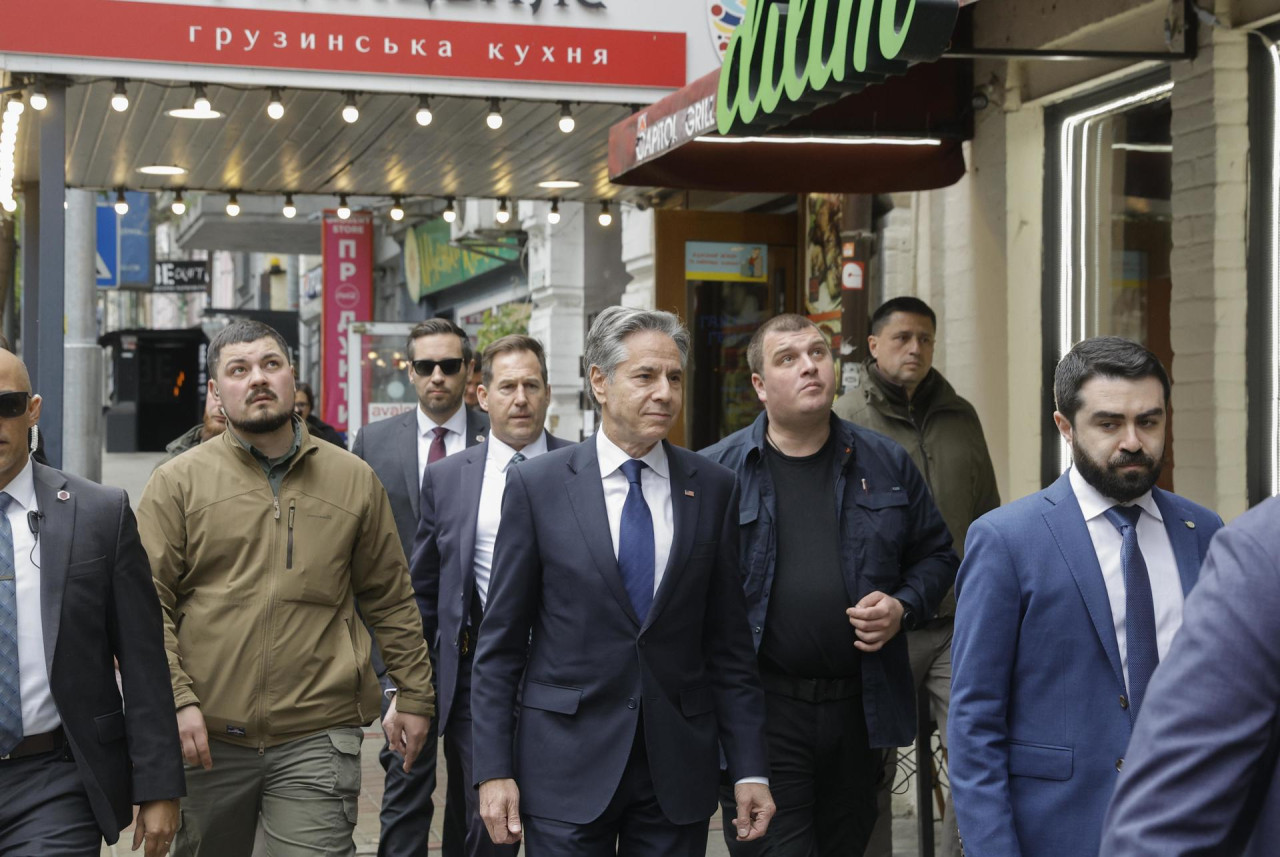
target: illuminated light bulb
<point>39,100</point>
<point>606,218</point>
<point>15,104</point>
<point>494,119</point>
<point>179,205</point>
<point>233,206</point>
<point>450,213</point>
<point>344,210</point>
<point>201,103</point>
<point>120,97</point>
<point>289,210</point>
<point>554,217</point>
<point>275,108</point>
<point>397,211</point>
<point>122,205</point>
<point>10,205</point>
<point>504,213</point>
<point>424,111</point>
<point>350,112</point>
<point>567,123</point>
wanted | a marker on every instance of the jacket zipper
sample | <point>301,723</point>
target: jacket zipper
<point>288,562</point>
<point>266,638</point>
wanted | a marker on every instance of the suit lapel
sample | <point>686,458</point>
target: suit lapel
<point>1066,523</point>
<point>472,479</point>
<point>1186,548</point>
<point>586,495</point>
<point>54,551</point>
<point>408,443</point>
<point>684,516</point>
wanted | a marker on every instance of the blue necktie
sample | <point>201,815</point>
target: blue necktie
<point>10,680</point>
<point>635,542</point>
<point>516,459</point>
<point>1139,609</point>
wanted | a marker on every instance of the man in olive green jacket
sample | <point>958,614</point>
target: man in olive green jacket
<point>262,543</point>
<point>901,395</point>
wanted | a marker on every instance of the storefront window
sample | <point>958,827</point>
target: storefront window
<point>1110,228</point>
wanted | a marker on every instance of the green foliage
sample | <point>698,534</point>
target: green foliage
<point>503,321</point>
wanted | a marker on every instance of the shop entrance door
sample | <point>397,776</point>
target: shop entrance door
<point>377,379</point>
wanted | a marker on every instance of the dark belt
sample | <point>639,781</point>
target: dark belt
<point>34,745</point>
<point>811,689</point>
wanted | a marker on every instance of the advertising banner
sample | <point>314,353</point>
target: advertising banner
<point>431,263</point>
<point>711,260</point>
<point>348,298</point>
<point>552,41</point>
<point>182,276</point>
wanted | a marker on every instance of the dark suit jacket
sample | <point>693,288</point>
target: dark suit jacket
<point>1202,775</point>
<point>443,564</point>
<point>97,601</point>
<point>591,666</point>
<point>390,447</point>
<point>1040,717</point>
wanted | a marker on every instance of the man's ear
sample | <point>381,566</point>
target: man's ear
<point>1064,426</point>
<point>598,384</point>
<point>758,383</point>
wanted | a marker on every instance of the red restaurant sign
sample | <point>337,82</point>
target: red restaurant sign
<point>348,298</point>
<point>196,33</point>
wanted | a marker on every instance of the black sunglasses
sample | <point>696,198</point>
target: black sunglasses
<point>13,404</point>
<point>449,366</point>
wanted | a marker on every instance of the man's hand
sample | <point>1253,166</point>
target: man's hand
<point>876,618</point>
<point>156,823</point>
<point>755,808</point>
<point>500,810</point>
<point>194,737</point>
<point>406,733</point>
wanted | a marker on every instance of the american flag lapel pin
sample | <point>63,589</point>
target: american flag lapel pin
<point>64,495</point>
<point>688,493</point>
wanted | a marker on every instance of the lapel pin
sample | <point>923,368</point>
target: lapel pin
<point>480,438</point>
<point>64,495</point>
<point>1191,525</point>
<point>688,493</point>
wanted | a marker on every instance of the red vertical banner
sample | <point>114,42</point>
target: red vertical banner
<point>347,246</point>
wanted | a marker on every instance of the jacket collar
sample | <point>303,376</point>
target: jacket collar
<point>842,430</point>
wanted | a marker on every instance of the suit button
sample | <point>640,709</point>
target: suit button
<point>1120,764</point>
<point>766,593</point>
<point>631,703</point>
<point>1124,701</point>
<point>642,641</point>
<point>757,629</point>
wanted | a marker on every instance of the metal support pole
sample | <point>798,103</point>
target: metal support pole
<point>924,772</point>
<point>30,277</point>
<point>82,385</point>
<point>51,302</point>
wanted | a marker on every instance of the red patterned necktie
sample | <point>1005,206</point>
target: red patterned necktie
<point>437,445</point>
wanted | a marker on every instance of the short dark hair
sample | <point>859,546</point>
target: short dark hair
<point>1108,357</point>
<point>506,345</point>
<point>907,304</point>
<point>305,389</point>
<point>788,322</point>
<point>436,327</point>
<point>238,331</point>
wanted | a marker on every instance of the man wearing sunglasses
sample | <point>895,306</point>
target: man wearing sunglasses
<point>399,449</point>
<point>76,594</point>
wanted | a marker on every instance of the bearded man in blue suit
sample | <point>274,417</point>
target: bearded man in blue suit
<point>1067,600</point>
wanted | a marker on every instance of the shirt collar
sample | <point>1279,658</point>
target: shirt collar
<point>611,457</point>
<point>1093,502</point>
<point>22,487</point>
<point>457,424</point>
<point>261,456</point>
<point>500,453</point>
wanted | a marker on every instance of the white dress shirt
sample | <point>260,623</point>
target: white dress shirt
<point>455,438</point>
<point>655,482</point>
<point>39,714</point>
<point>1157,551</point>
<point>496,462</point>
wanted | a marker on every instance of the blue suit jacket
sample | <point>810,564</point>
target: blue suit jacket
<point>591,665</point>
<point>443,563</point>
<point>1201,777</point>
<point>1040,721</point>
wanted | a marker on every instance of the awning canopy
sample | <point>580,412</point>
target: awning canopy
<point>862,117</point>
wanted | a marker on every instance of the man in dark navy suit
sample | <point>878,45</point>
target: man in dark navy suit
<point>615,631</point>
<point>453,553</point>
<point>399,449</point>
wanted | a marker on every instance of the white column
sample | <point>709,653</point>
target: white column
<point>557,284</point>
<point>82,382</point>
<point>638,248</point>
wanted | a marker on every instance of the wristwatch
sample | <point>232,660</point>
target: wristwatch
<point>908,616</point>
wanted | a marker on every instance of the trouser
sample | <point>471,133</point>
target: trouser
<point>823,772</point>
<point>407,808</point>
<point>632,825</point>
<point>929,649</point>
<point>44,810</point>
<point>457,735</point>
<point>305,791</point>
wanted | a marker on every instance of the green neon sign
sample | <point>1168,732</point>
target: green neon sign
<point>780,63</point>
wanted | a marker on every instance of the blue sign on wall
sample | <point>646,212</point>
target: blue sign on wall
<point>125,246</point>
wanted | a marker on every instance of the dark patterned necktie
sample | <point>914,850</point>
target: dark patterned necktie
<point>436,452</point>
<point>516,459</point>
<point>1139,607</point>
<point>635,542</point>
<point>10,679</point>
